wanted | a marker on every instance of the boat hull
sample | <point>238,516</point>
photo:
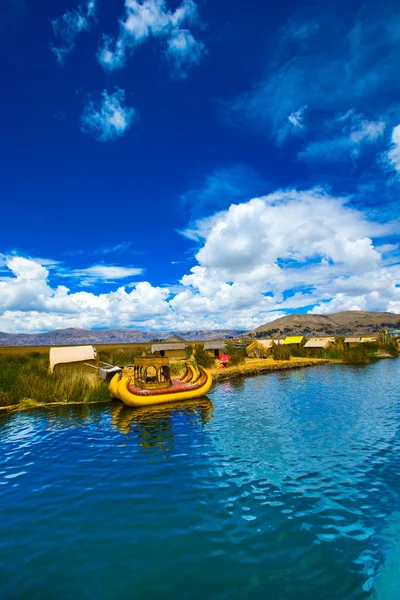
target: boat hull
<point>120,388</point>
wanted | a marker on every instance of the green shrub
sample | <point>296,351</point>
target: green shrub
<point>238,355</point>
<point>281,352</point>
<point>390,348</point>
<point>203,358</point>
<point>299,351</point>
<point>357,356</point>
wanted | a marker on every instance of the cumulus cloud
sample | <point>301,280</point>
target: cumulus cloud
<point>152,18</point>
<point>254,253</point>
<point>30,303</point>
<point>67,27</point>
<point>256,260</point>
<point>391,158</point>
<point>108,118</point>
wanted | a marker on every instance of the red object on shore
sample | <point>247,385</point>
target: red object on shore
<point>224,358</point>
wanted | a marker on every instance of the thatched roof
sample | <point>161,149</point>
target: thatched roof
<point>214,346</point>
<point>174,339</point>
<point>352,340</point>
<point>293,339</point>
<point>319,342</point>
<point>267,343</point>
<point>159,347</point>
<point>69,354</point>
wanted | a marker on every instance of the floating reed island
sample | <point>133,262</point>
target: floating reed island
<point>268,365</point>
<point>41,376</point>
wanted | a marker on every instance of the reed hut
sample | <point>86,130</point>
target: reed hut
<point>260,348</point>
<point>293,340</point>
<point>215,349</point>
<point>351,342</point>
<point>319,342</point>
<point>62,355</point>
<point>176,351</point>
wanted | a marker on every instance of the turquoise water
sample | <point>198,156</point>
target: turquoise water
<point>284,486</point>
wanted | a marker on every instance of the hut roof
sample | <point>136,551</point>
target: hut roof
<point>318,342</point>
<point>174,339</point>
<point>266,343</point>
<point>69,354</point>
<point>293,339</point>
<point>159,347</point>
<point>214,346</point>
<point>368,339</point>
<point>352,340</point>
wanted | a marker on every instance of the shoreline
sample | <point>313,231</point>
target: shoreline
<point>251,367</point>
<point>262,366</point>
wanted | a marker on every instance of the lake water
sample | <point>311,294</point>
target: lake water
<point>284,487</point>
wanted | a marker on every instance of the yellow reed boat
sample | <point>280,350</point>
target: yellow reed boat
<point>148,382</point>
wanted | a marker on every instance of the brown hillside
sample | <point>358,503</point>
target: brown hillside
<point>342,323</point>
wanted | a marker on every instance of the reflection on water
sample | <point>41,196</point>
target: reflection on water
<point>281,486</point>
<point>153,425</point>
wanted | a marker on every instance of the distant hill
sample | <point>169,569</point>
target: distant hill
<point>341,323</point>
<point>72,336</point>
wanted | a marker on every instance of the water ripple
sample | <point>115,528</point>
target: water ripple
<point>282,486</point>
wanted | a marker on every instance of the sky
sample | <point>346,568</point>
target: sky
<point>197,164</point>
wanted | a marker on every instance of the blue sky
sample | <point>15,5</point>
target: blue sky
<point>188,165</point>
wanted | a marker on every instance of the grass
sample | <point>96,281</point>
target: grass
<point>203,358</point>
<point>24,379</point>
<point>256,366</point>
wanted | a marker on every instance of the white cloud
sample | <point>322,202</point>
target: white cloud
<point>297,119</point>
<point>103,273</point>
<point>183,51</point>
<point>391,158</point>
<point>151,18</point>
<point>109,118</point>
<point>70,25</point>
<point>329,67</point>
<point>349,133</point>
<point>30,303</point>
<point>284,251</point>
<point>252,255</point>
<point>117,249</point>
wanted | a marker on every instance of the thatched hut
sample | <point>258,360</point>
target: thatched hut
<point>260,348</point>
<point>177,351</point>
<point>215,349</point>
<point>62,355</point>
<point>293,340</point>
<point>351,342</point>
<point>320,342</point>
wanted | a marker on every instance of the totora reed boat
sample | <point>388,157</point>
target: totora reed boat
<point>148,381</point>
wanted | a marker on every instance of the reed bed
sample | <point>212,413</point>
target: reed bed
<point>25,379</point>
<point>259,366</point>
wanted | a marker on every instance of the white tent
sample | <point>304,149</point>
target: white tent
<point>69,354</point>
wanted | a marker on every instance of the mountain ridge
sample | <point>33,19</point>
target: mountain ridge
<point>341,323</point>
<point>76,336</point>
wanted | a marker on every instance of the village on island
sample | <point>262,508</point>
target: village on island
<point>172,370</point>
